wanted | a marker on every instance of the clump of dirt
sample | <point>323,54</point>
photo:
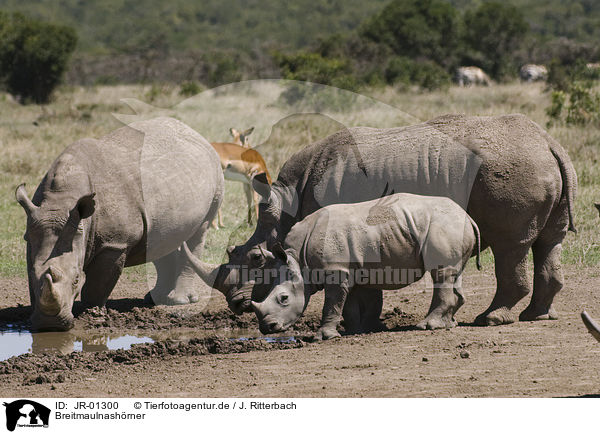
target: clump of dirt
<point>158,319</point>
<point>397,319</point>
<point>47,364</point>
<point>140,318</point>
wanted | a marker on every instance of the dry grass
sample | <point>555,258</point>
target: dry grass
<point>32,137</point>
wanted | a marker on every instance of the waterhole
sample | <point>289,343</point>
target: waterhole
<point>15,341</point>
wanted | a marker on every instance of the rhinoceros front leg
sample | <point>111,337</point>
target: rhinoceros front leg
<point>447,299</point>
<point>101,276</point>
<point>335,296</point>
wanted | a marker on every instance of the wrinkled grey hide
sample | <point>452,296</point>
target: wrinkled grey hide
<point>406,233</point>
<point>130,197</point>
<point>514,180</point>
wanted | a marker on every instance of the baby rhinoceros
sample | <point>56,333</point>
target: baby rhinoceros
<point>348,249</point>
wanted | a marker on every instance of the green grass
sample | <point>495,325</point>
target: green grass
<point>27,149</point>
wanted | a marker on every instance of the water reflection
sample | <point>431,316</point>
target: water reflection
<point>14,341</point>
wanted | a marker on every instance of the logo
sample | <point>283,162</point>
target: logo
<point>26,413</point>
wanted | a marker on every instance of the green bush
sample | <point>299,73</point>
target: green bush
<point>190,88</point>
<point>33,56</point>
<point>425,74</point>
<point>583,107</point>
<point>562,76</point>
<point>492,33</point>
<point>426,29</point>
<point>313,67</point>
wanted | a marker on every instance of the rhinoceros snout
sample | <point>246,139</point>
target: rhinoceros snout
<point>45,323</point>
<point>270,327</point>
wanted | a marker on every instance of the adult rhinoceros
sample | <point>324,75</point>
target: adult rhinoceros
<point>514,180</point>
<point>130,197</point>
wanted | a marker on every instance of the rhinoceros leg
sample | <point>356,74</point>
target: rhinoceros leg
<point>370,315</point>
<point>101,276</point>
<point>362,311</point>
<point>547,282</point>
<point>351,313</point>
<point>335,297</point>
<point>249,199</point>
<point>176,282</point>
<point>511,276</point>
<point>447,299</point>
<point>166,272</point>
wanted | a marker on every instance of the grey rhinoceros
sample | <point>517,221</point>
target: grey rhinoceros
<point>130,197</point>
<point>514,180</point>
<point>387,243</point>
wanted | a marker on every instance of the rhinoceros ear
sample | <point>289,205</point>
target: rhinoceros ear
<point>279,252</point>
<point>260,184</point>
<point>86,206</point>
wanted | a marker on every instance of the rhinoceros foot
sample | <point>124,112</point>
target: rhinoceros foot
<point>499,316</point>
<point>324,334</point>
<point>436,322</point>
<point>531,313</point>
<point>175,297</point>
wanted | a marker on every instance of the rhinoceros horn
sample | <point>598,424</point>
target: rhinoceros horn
<point>50,297</point>
<point>207,272</point>
<point>591,325</point>
<point>23,199</point>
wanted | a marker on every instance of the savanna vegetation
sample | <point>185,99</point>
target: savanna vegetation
<point>391,50</point>
<point>31,137</point>
<point>350,43</point>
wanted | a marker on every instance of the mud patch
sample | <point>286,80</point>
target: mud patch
<point>48,365</point>
<point>159,319</point>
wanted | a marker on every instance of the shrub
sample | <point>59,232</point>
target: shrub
<point>190,88</point>
<point>313,67</point>
<point>583,107</point>
<point>416,29</point>
<point>561,76</point>
<point>33,56</point>
<point>492,33</point>
<point>425,74</point>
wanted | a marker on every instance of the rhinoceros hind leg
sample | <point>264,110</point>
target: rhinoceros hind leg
<point>371,304</point>
<point>351,313</point>
<point>101,276</point>
<point>547,282</point>
<point>511,275</point>
<point>176,282</point>
<point>447,299</point>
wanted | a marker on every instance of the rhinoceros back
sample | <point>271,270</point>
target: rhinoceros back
<point>155,181</point>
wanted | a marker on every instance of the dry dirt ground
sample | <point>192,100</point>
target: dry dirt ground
<point>536,359</point>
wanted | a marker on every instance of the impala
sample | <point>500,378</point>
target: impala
<point>241,138</point>
<point>241,163</point>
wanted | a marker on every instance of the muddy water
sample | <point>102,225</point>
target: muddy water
<point>15,341</point>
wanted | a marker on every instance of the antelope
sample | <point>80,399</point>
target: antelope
<point>241,163</point>
<point>241,138</point>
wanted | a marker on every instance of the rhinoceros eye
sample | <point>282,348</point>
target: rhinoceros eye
<point>256,259</point>
<point>283,299</point>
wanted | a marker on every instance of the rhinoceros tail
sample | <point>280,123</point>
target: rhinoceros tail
<point>478,238</point>
<point>569,178</point>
